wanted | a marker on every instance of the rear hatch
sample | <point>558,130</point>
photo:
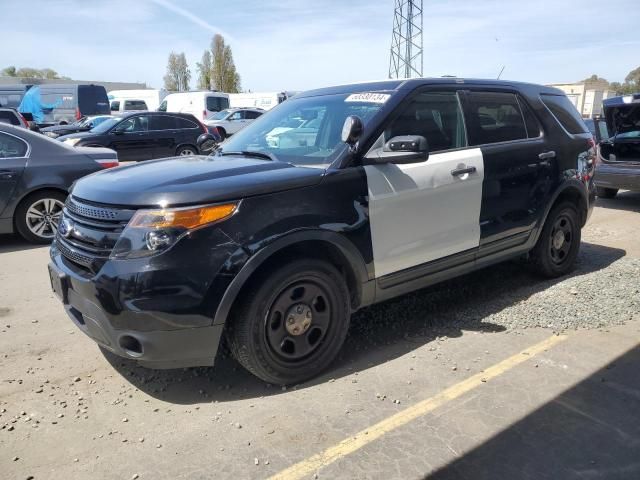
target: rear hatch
<point>93,100</point>
<point>623,122</point>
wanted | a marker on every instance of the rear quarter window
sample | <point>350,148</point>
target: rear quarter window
<point>12,147</point>
<point>565,113</point>
<point>9,117</point>
<point>185,123</point>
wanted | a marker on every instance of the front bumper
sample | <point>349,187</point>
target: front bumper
<point>159,315</point>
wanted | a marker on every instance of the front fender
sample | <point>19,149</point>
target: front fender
<point>274,245</point>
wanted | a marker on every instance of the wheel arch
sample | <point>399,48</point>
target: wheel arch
<point>573,191</point>
<point>311,244</point>
<point>187,144</point>
<point>25,195</point>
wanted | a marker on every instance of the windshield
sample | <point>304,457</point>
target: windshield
<point>218,115</point>
<point>106,125</point>
<point>303,131</point>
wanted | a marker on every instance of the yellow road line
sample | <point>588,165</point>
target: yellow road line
<point>364,437</point>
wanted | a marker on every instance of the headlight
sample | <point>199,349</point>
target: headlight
<point>72,141</point>
<point>51,134</point>
<point>150,232</point>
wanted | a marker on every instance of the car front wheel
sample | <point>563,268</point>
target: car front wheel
<point>37,216</point>
<point>290,324</point>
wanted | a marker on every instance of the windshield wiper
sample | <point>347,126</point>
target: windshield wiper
<point>252,153</point>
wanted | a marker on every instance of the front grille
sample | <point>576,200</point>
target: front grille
<point>88,232</point>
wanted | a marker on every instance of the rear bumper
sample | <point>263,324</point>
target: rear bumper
<point>618,176</point>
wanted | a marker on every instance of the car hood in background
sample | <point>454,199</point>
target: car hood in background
<point>62,128</point>
<point>76,135</point>
<point>622,114</point>
<point>193,180</point>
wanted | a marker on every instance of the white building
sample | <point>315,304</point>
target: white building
<point>587,96</point>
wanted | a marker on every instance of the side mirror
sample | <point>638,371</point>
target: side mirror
<point>351,130</point>
<point>207,143</point>
<point>401,149</point>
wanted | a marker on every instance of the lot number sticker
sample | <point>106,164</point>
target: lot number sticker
<point>368,97</point>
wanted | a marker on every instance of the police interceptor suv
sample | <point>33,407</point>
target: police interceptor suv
<point>400,184</point>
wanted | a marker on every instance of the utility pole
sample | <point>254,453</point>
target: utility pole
<point>406,41</point>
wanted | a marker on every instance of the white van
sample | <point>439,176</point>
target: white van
<point>127,100</point>
<point>264,100</point>
<point>200,104</point>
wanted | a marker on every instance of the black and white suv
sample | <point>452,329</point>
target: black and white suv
<point>399,185</point>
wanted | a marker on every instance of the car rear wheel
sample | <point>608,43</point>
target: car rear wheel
<point>291,324</point>
<point>557,248</point>
<point>186,150</point>
<point>603,192</point>
<point>37,216</point>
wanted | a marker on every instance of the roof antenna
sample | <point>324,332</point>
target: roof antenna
<point>500,74</point>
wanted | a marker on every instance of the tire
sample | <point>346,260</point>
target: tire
<point>603,192</point>
<point>186,150</point>
<point>49,204</point>
<point>290,324</point>
<point>557,248</point>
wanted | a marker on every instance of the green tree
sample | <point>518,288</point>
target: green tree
<point>178,75</point>
<point>595,78</point>
<point>204,71</point>
<point>633,77</point>
<point>9,71</point>
<point>49,73</point>
<point>28,72</point>
<point>224,76</point>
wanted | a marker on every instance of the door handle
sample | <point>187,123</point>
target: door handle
<point>463,169</point>
<point>6,175</point>
<point>547,155</point>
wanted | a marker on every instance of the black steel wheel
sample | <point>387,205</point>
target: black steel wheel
<point>557,248</point>
<point>291,323</point>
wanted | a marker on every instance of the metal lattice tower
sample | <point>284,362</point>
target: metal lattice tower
<point>406,42</point>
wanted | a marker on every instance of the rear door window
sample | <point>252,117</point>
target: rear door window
<point>565,113</point>
<point>12,147</point>
<point>135,105</point>
<point>251,115</point>
<point>92,100</point>
<point>215,104</point>
<point>493,117</point>
<point>162,122</point>
<point>534,130</point>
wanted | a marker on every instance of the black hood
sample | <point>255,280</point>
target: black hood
<point>63,128</point>
<point>62,138</point>
<point>192,180</point>
<point>622,114</point>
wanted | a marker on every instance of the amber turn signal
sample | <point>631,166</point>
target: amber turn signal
<point>188,218</point>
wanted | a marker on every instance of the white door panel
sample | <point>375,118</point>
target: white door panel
<point>421,212</point>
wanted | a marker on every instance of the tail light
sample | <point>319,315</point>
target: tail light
<point>78,114</point>
<point>23,120</point>
<point>108,163</point>
<point>203,126</point>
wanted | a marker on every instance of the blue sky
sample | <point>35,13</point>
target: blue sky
<point>301,44</point>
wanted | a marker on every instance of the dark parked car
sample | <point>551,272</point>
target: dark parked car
<point>144,135</point>
<point>11,116</point>
<point>83,125</point>
<point>618,164</point>
<point>35,176</point>
<point>404,183</point>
